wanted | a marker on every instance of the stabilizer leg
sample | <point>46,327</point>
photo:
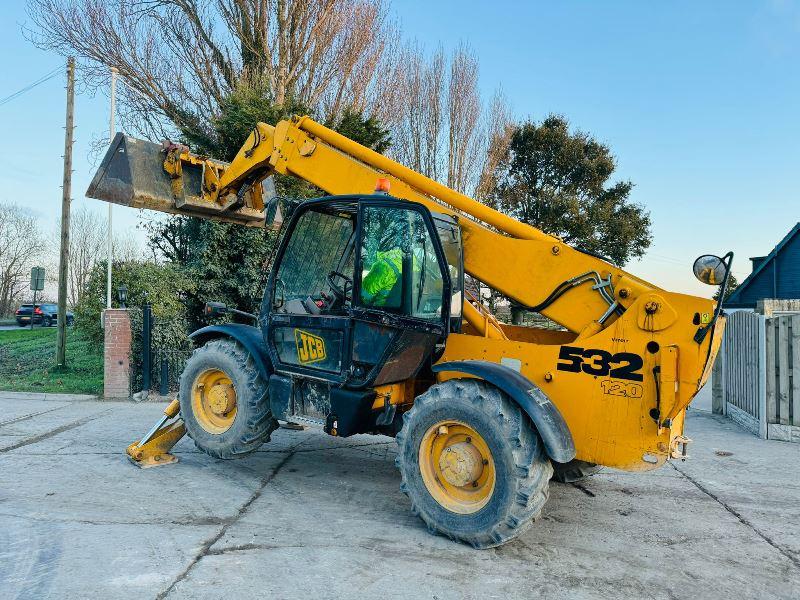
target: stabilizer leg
<point>153,449</point>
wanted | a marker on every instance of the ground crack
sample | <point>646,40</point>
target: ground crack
<point>30,416</point>
<point>205,550</point>
<point>795,560</point>
<point>48,434</point>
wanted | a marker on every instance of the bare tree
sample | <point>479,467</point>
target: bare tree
<point>464,111</point>
<point>497,130</point>
<point>21,246</point>
<point>88,244</point>
<point>440,128</point>
<point>178,59</point>
<point>126,247</point>
<point>418,119</point>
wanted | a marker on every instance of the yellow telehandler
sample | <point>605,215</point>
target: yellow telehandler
<point>366,327</point>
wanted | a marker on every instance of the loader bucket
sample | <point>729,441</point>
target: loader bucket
<point>132,174</point>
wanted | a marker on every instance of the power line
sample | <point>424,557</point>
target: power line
<point>30,86</point>
<point>679,262</point>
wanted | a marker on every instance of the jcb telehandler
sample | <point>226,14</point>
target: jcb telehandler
<point>366,327</point>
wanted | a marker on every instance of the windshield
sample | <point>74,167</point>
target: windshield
<point>321,244</point>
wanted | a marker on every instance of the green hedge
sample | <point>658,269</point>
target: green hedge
<point>162,285</point>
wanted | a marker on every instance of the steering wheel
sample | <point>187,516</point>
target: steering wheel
<point>339,291</point>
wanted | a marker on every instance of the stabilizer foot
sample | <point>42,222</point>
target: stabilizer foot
<point>153,449</point>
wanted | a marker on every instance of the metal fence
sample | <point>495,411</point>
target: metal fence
<point>160,350</point>
<point>757,376</point>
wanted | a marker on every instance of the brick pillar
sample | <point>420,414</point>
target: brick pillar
<point>116,359</point>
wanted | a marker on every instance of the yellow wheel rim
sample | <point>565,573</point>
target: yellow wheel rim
<point>457,467</point>
<point>214,401</point>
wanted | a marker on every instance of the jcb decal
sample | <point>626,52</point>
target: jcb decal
<point>310,347</point>
<point>599,362</point>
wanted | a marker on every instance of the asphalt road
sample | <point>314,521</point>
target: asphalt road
<point>309,516</point>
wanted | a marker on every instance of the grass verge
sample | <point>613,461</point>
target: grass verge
<point>27,363</point>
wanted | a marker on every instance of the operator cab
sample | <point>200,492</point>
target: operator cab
<point>363,293</point>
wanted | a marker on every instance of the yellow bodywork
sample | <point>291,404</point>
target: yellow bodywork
<point>623,372</point>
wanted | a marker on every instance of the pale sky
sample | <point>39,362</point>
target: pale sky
<point>698,102</point>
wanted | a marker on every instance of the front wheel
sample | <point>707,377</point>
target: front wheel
<point>224,402</point>
<point>472,463</point>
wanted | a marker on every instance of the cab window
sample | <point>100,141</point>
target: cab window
<point>400,270</point>
<point>318,258</point>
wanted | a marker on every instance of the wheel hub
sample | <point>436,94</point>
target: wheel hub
<point>214,401</point>
<point>457,467</point>
<point>221,398</point>
<point>461,464</point>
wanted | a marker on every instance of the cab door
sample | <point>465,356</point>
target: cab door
<point>308,329</point>
<point>402,291</point>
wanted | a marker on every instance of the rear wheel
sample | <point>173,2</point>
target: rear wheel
<point>224,401</point>
<point>47,322</point>
<point>574,470</point>
<point>472,463</point>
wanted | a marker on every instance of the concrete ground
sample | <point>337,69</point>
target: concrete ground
<point>310,516</point>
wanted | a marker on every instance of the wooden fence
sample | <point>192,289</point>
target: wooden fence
<point>757,375</point>
<point>783,374</point>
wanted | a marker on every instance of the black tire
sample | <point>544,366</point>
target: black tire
<point>522,468</point>
<point>574,470</point>
<point>47,322</point>
<point>253,422</point>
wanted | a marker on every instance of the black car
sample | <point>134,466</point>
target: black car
<point>44,314</point>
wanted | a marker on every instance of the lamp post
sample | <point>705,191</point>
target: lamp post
<point>110,240</point>
<point>122,291</point>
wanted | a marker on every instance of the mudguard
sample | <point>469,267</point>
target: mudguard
<point>551,426</point>
<point>247,335</point>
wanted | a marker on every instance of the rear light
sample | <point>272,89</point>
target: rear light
<point>19,312</point>
<point>38,311</point>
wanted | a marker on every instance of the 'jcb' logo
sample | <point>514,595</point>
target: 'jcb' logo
<point>310,348</point>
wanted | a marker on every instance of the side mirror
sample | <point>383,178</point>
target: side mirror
<point>215,309</point>
<point>710,269</point>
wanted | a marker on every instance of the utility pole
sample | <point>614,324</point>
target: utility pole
<point>110,249</point>
<point>66,188</point>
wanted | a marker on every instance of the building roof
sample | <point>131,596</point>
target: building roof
<point>776,275</point>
